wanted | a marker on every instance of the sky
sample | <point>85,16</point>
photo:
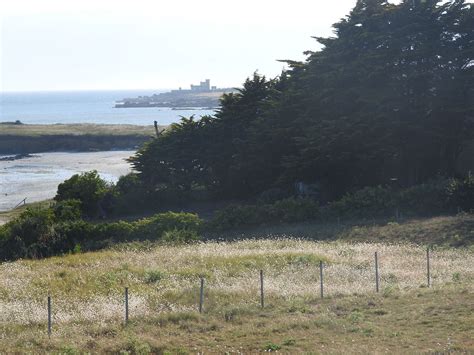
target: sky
<point>154,44</point>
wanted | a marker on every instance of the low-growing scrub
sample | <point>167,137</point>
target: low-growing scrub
<point>432,198</point>
<point>39,233</point>
<point>289,210</point>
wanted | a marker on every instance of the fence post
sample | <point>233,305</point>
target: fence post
<point>428,276</point>
<point>49,316</point>
<point>321,278</point>
<point>126,305</point>
<point>376,273</point>
<point>201,295</point>
<point>262,302</point>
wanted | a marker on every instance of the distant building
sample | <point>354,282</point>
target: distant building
<point>203,86</point>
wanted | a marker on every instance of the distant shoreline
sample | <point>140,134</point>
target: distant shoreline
<point>27,139</point>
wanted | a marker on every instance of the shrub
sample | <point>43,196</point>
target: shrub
<point>68,210</point>
<point>31,235</point>
<point>32,225</point>
<point>88,188</point>
<point>272,196</point>
<point>128,183</point>
<point>153,228</point>
<point>37,233</point>
<point>283,211</point>
<point>120,231</point>
<point>460,193</point>
<point>424,199</point>
<point>271,347</point>
<point>367,202</point>
<point>294,210</point>
<point>153,276</point>
<point>180,236</point>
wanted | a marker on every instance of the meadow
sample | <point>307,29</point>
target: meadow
<point>163,280</point>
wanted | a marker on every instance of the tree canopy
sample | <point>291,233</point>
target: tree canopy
<point>390,96</point>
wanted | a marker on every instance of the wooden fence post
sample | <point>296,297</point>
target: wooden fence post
<point>126,305</point>
<point>201,295</point>
<point>262,301</point>
<point>428,276</point>
<point>49,316</point>
<point>376,273</point>
<point>321,278</point>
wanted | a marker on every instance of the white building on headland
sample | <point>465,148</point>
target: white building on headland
<point>204,86</point>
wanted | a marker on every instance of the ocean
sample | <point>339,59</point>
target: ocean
<point>85,107</point>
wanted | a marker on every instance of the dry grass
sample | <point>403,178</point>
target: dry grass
<point>75,129</point>
<point>87,297</point>
<point>6,216</point>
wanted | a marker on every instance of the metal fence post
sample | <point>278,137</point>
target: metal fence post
<point>262,301</point>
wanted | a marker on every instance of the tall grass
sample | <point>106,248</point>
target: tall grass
<point>165,279</point>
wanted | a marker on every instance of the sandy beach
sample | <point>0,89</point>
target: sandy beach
<point>37,178</point>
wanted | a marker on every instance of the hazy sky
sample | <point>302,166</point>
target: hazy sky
<point>153,44</point>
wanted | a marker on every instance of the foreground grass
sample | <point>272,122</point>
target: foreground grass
<point>87,297</point>
<point>75,129</point>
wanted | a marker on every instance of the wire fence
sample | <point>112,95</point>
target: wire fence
<point>260,279</point>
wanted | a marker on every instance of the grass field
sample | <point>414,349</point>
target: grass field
<point>87,292</point>
<point>74,129</point>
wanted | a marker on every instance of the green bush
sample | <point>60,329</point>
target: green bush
<point>31,235</point>
<point>152,228</point>
<point>128,183</point>
<point>88,188</point>
<point>368,202</point>
<point>425,199</point>
<point>180,236</point>
<point>120,231</point>
<point>68,210</point>
<point>38,233</point>
<point>460,193</point>
<point>33,225</point>
<point>153,276</point>
<point>284,211</point>
<point>294,210</point>
<point>372,202</point>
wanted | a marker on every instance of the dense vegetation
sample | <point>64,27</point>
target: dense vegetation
<point>388,100</point>
<point>72,224</point>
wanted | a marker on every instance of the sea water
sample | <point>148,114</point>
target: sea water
<point>86,107</point>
